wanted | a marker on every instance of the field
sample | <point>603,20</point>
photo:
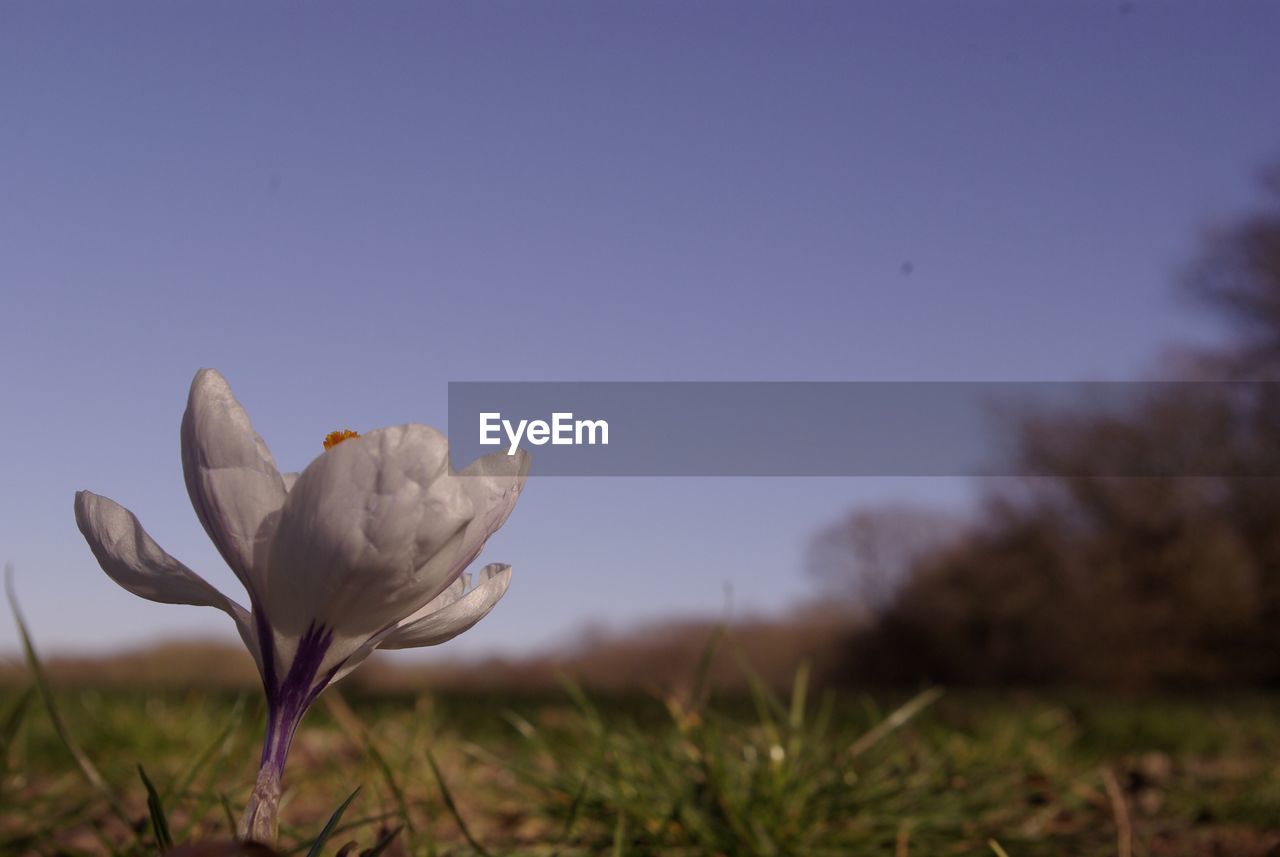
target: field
<point>569,773</point>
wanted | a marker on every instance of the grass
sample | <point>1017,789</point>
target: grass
<point>570,774</point>
<point>134,772</point>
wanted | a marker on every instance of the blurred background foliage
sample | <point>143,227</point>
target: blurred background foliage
<point>1163,581</point>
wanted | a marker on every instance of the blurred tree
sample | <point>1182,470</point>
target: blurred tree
<point>1081,572</point>
<point>1238,279</point>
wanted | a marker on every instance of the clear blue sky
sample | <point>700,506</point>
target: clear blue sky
<point>343,207</point>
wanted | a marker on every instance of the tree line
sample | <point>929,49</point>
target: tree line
<point>1059,577</point>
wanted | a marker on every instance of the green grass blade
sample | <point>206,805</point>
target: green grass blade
<point>347,827</point>
<point>159,822</point>
<point>381,844</point>
<point>388,776</point>
<point>357,732</point>
<point>620,836</point>
<point>769,707</point>
<point>318,845</point>
<point>228,812</point>
<point>86,767</point>
<point>585,706</point>
<point>453,807</point>
<point>12,723</point>
<point>182,783</point>
<point>896,720</point>
<point>698,694</point>
<point>574,807</point>
<point>206,799</point>
<point>799,694</point>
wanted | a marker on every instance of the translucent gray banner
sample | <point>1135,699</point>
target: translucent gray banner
<point>872,428</point>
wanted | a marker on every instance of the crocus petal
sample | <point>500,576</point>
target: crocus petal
<point>493,483</point>
<point>460,587</point>
<point>349,656</point>
<point>448,622</point>
<point>132,559</point>
<point>371,531</point>
<point>445,617</point>
<point>231,477</point>
<point>289,479</point>
<point>455,590</point>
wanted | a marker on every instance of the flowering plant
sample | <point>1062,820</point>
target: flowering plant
<point>365,549</point>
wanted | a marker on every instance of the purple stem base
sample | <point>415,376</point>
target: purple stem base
<point>287,702</point>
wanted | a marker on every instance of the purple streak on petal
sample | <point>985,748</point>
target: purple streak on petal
<point>322,684</point>
<point>291,699</point>
<point>266,647</point>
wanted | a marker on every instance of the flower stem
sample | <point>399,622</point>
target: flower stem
<point>259,822</point>
<point>286,703</point>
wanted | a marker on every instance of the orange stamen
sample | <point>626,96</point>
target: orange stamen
<point>334,438</point>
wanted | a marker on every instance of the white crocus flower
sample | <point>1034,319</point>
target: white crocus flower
<point>364,549</point>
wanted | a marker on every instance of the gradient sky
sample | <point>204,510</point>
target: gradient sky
<point>343,207</point>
